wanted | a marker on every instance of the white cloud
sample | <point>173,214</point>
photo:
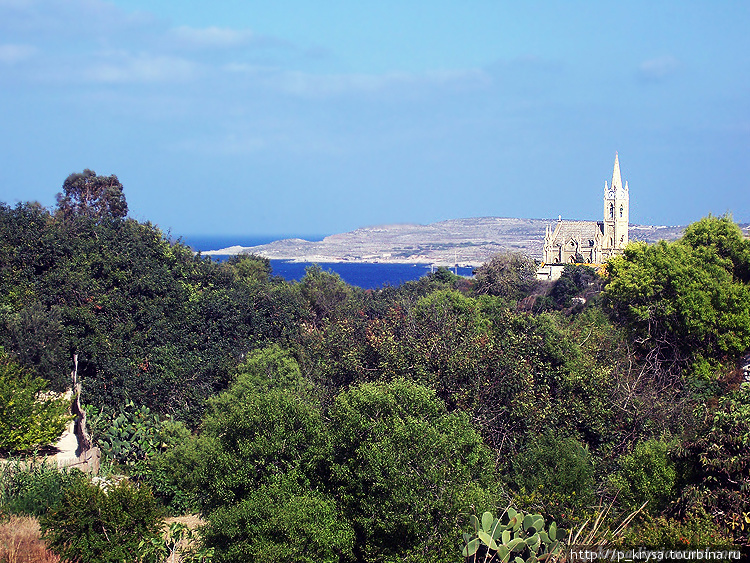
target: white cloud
<point>222,38</point>
<point>212,36</point>
<point>65,19</point>
<point>128,68</point>
<point>658,68</point>
<point>306,84</point>
<point>12,54</point>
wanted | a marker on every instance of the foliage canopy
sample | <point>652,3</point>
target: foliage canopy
<point>28,418</point>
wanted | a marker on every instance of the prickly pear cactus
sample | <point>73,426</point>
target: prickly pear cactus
<point>132,435</point>
<point>514,538</point>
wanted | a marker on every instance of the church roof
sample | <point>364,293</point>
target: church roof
<point>580,230</point>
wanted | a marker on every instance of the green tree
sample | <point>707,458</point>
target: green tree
<point>268,368</point>
<point>150,321</point>
<point>261,467</point>
<point>682,302</point>
<point>88,195</point>
<point>509,274</point>
<point>722,235</point>
<point>28,418</point>
<point>249,268</point>
<point>574,280</point>
<point>325,293</point>
<point>24,251</point>
<point>403,470</point>
<point>36,335</point>
<point>447,339</point>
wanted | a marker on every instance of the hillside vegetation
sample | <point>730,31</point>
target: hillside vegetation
<point>316,421</point>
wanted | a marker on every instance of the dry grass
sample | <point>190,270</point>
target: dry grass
<point>20,542</point>
<point>192,521</point>
<point>20,539</point>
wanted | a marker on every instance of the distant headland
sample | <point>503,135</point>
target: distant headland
<point>467,242</point>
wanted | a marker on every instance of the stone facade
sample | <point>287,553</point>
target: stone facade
<point>591,242</point>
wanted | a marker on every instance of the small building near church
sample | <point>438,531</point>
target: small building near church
<point>589,242</point>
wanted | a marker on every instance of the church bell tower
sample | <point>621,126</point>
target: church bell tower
<point>616,203</point>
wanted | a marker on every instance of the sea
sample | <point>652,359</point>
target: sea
<point>364,275</point>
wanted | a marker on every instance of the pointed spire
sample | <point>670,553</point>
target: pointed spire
<point>616,178</point>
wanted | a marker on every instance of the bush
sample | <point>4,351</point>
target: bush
<point>696,530</point>
<point>92,524</point>
<point>559,469</point>
<point>28,419</point>
<point>717,463</point>
<point>171,473</point>
<point>646,475</point>
<point>269,368</point>
<point>509,274</point>
<point>384,477</point>
<point>259,467</point>
<point>404,469</point>
<point>249,442</point>
<point>29,488</point>
<point>280,522</point>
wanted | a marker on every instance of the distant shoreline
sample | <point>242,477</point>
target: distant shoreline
<point>318,259</point>
<point>467,242</point>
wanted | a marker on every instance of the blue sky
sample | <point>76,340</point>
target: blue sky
<point>292,117</point>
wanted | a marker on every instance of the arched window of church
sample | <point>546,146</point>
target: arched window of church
<point>611,210</point>
<point>622,210</point>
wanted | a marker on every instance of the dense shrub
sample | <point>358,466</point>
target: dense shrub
<point>646,475</point>
<point>28,419</point>
<point>99,523</point>
<point>31,487</point>
<point>252,442</point>
<point>559,469</point>
<point>717,459</point>
<point>403,470</point>
<point>385,475</point>
<point>171,472</point>
<point>696,530</point>
<point>280,522</point>
<point>510,274</point>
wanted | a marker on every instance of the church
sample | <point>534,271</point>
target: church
<point>589,242</point>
